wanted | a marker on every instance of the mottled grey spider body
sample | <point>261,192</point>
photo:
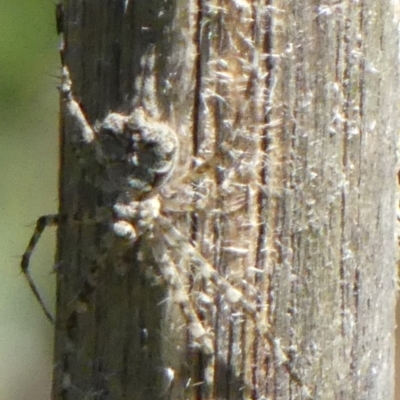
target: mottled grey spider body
<point>134,155</point>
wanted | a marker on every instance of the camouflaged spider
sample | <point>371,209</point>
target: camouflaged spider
<point>134,156</point>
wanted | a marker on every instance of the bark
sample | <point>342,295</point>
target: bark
<point>290,108</point>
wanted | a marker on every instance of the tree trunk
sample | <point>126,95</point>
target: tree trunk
<point>269,272</point>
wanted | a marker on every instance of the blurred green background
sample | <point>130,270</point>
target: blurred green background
<point>29,70</point>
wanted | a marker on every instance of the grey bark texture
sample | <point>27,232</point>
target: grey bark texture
<point>291,110</point>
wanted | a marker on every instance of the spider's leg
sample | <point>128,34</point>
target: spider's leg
<point>177,240</point>
<point>74,110</point>
<point>207,271</point>
<point>41,224</point>
<point>180,294</point>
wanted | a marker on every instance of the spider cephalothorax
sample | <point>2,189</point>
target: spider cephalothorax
<point>135,153</point>
<point>140,154</point>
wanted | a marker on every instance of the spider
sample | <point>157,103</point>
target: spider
<point>135,155</point>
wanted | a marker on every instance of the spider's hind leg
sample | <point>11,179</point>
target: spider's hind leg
<point>177,240</point>
<point>180,296</point>
<point>233,296</point>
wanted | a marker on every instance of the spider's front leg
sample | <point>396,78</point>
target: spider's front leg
<point>86,136</point>
<point>42,223</point>
<point>73,110</point>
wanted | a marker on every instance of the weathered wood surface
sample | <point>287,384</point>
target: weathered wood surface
<point>293,106</point>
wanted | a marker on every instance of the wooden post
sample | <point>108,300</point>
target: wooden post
<point>281,281</point>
